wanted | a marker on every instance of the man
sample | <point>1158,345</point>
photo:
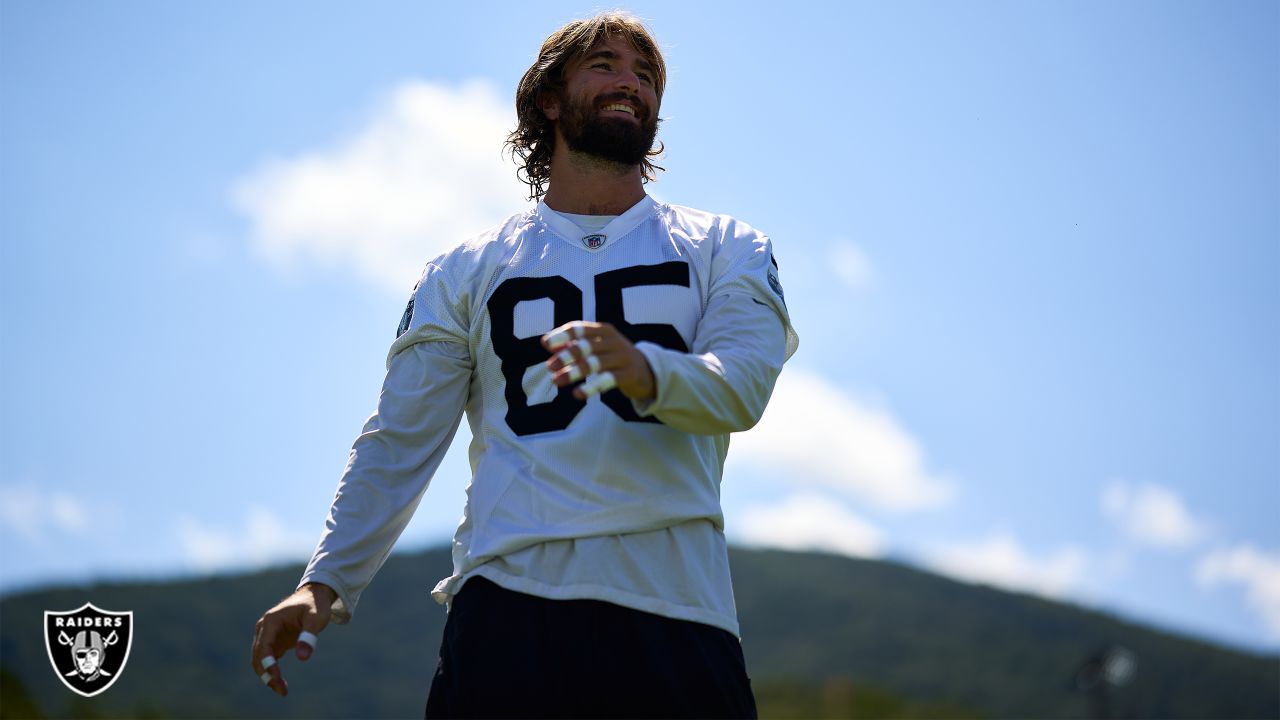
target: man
<point>603,347</point>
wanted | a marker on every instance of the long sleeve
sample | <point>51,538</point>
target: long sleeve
<point>741,342</point>
<point>724,383</point>
<point>390,466</point>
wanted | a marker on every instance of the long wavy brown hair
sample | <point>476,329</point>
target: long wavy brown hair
<point>533,141</point>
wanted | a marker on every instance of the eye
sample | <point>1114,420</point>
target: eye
<point>644,77</point>
<point>600,65</point>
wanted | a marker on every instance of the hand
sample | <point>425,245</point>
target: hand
<point>305,611</point>
<point>602,356</point>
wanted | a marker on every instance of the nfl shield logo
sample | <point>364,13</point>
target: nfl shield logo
<point>593,241</point>
<point>88,646</point>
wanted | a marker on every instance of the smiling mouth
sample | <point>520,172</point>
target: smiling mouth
<point>621,108</point>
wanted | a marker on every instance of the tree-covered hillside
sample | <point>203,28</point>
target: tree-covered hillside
<point>824,636</point>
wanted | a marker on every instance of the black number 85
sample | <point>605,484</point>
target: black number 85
<point>518,354</point>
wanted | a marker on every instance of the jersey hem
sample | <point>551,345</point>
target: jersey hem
<point>642,603</point>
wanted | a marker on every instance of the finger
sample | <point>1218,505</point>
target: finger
<point>573,372</point>
<point>563,334</point>
<point>266,675</point>
<point>579,357</point>
<point>597,384</point>
<point>562,364</point>
<point>272,677</point>
<point>261,656</point>
<point>593,365</point>
<point>565,357</point>
<point>307,642</point>
<point>313,623</point>
<point>583,348</point>
<point>277,682</point>
<point>265,643</point>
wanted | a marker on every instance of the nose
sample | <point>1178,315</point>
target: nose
<point>627,79</point>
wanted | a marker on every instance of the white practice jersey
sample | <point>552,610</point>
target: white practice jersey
<point>605,498</point>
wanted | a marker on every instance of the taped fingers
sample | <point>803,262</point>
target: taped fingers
<point>571,362</point>
<point>308,638</point>
<point>268,661</point>
<point>584,348</point>
<point>557,338</point>
<point>599,383</point>
<point>265,677</point>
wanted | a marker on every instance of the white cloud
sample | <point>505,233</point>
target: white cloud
<point>33,513</point>
<point>1001,561</point>
<point>1151,514</point>
<point>814,433</point>
<point>1258,571</point>
<point>67,513</point>
<point>263,539</point>
<point>850,264</point>
<point>810,522</point>
<point>426,173</point>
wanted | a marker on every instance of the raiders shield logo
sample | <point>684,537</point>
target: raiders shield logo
<point>593,241</point>
<point>88,647</point>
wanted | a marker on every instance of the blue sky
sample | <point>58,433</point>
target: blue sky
<point>1032,251</point>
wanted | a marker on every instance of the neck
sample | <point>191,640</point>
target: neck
<point>587,185</point>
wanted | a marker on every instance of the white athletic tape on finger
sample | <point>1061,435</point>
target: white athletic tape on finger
<point>308,638</point>
<point>556,339</point>
<point>593,362</point>
<point>268,661</point>
<point>265,677</point>
<point>597,384</point>
<point>575,373</point>
<point>565,357</point>
<point>584,347</point>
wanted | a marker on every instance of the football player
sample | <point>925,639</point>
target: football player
<point>602,347</point>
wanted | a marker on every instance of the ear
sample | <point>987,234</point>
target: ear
<point>549,104</point>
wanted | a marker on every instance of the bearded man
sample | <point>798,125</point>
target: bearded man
<point>603,347</point>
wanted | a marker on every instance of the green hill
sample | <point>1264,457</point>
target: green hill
<point>824,636</point>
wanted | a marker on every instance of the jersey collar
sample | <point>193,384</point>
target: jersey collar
<point>615,230</point>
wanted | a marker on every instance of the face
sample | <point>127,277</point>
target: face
<point>609,107</point>
<point>88,660</point>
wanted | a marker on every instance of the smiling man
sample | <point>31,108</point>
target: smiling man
<point>603,346</point>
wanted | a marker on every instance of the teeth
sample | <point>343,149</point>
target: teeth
<point>623,108</point>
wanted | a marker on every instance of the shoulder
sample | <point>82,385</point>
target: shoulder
<point>715,227</point>
<point>728,244</point>
<point>483,250</point>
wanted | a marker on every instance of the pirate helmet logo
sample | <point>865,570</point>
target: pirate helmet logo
<point>88,647</point>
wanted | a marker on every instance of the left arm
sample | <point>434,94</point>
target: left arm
<point>723,384</point>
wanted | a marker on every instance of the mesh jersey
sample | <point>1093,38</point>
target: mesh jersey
<point>697,293</point>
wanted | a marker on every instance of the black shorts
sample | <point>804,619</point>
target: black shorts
<point>508,654</point>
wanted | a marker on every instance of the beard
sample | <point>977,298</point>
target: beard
<point>613,139</point>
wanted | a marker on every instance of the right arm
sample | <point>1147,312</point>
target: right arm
<point>390,466</point>
<point>387,472</point>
